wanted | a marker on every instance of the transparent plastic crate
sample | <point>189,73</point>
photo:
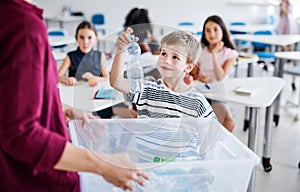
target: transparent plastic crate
<point>201,155</point>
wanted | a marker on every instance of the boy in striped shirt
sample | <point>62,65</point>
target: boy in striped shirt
<point>170,96</point>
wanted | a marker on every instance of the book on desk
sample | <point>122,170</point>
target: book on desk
<point>105,94</point>
<point>245,90</point>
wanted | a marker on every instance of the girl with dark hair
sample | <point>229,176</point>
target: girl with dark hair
<point>85,62</point>
<point>215,62</point>
<point>139,21</point>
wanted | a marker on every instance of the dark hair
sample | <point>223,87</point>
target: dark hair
<point>226,37</point>
<point>84,25</point>
<point>139,21</point>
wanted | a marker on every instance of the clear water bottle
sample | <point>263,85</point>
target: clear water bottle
<point>135,73</point>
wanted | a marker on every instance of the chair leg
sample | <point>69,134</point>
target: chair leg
<point>298,108</point>
<point>293,84</point>
<point>265,67</point>
<point>294,77</point>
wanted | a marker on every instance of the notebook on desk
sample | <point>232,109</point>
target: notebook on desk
<point>245,90</point>
<point>105,94</point>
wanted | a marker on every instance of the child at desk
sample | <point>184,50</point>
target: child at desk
<point>215,63</point>
<point>85,62</point>
<point>138,19</point>
<point>168,96</point>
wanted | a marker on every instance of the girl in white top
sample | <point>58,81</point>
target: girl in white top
<point>215,62</point>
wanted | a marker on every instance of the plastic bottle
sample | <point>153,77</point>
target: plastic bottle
<point>135,73</point>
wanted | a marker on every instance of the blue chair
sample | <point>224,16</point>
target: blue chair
<point>265,57</point>
<point>243,44</point>
<point>238,23</point>
<point>186,24</point>
<point>294,71</point>
<point>273,20</point>
<point>98,20</point>
<point>199,34</point>
<point>57,32</point>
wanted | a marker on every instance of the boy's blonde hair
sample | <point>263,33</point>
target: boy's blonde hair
<point>186,40</point>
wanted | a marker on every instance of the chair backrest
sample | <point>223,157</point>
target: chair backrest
<point>98,19</point>
<point>186,24</point>
<point>238,23</point>
<point>57,32</point>
<point>262,45</point>
<point>271,20</point>
<point>199,33</point>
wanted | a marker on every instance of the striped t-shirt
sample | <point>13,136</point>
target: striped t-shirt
<point>158,101</point>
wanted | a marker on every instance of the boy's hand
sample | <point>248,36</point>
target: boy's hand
<point>124,39</point>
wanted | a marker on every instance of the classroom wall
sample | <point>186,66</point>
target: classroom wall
<point>166,12</point>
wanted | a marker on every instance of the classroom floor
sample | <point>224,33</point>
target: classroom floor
<point>285,175</point>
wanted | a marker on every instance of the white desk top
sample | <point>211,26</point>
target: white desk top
<point>245,58</point>
<point>268,89</point>
<point>59,55</point>
<point>111,30</point>
<point>60,40</point>
<point>293,55</point>
<point>251,28</point>
<point>60,18</point>
<point>192,29</point>
<point>279,40</point>
<point>81,96</point>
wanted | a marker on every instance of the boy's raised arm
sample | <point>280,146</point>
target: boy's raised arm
<point>117,79</point>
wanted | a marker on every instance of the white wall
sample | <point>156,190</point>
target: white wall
<point>165,12</point>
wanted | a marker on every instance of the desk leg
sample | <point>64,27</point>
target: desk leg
<point>61,24</point>
<point>246,120</point>
<point>278,73</point>
<point>236,66</point>
<point>47,23</point>
<point>266,159</point>
<point>252,141</point>
<point>238,42</point>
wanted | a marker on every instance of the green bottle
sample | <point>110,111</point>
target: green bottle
<point>163,159</point>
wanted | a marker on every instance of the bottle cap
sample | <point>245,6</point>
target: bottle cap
<point>131,37</point>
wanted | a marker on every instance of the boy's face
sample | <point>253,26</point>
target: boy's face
<point>172,61</point>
